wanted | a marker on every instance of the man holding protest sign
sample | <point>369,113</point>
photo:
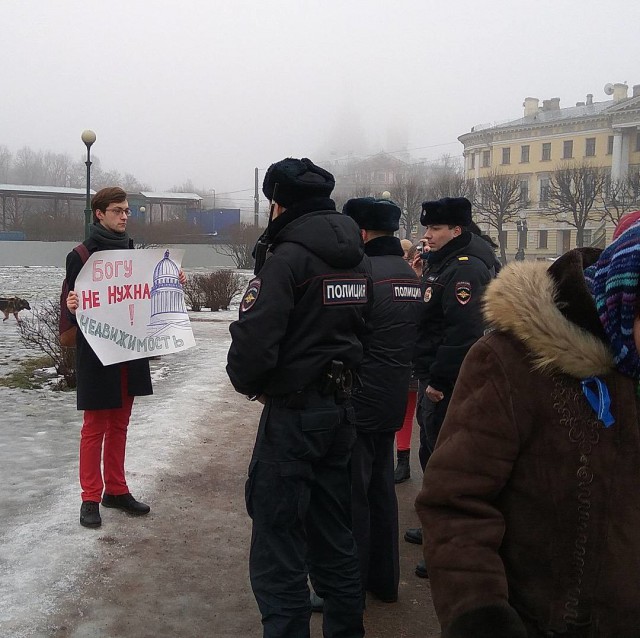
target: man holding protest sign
<point>105,392</point>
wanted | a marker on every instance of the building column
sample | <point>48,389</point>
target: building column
<point>616,157</point>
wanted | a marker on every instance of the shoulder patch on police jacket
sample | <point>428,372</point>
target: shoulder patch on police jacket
<point>406,291</point>
<point>251,295</point>
<point>463,292</point>
<point>344,291</point>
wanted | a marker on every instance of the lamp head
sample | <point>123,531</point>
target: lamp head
<point>88,137</point>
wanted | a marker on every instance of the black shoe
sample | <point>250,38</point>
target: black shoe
<point>402,471</point>
<point>385,598</point>
<point>421,570</point>
<point>412,535</point>
<point>125,502</point>
<point>90,514</point>
<point>317,603</point>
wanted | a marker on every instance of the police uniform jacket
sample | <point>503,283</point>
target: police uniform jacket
<point>380,398</point>
<point>305,307</point>
<point>99,386</point>
<point>453,283</point>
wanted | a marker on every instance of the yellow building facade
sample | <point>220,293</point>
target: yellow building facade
<point>547,138</point>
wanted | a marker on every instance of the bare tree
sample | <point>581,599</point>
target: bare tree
<point>5,164</point>
<point>218,288</point>
<point>57,169</point>
<point>573,191</point>
<point>28,167</point>
<point>498,200</point>
<point>447,179</point>
<point>239,245</point>
<point>41,333</point>
<point>621,196</point>
<point>407,190</point>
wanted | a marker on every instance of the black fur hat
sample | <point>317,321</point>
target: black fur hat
<point>297,180</point>
<point>373,214</point>
<point>453,211</point>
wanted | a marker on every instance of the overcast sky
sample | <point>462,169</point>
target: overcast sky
<point>207,90</point>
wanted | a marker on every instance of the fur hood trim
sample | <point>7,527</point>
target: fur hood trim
<point>522,301</point>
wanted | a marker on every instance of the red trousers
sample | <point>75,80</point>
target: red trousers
<point>104,438</point>
<point>403,436</point>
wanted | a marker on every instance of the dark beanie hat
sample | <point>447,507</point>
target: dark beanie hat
<point>453,211</point>
<point>373,214</point>
<point>297,180</point>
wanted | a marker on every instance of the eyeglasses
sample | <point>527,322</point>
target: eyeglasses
<point>119,211</point>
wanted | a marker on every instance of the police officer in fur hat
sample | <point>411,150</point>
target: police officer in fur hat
<point>381,399</point>
<point>295,348</point>
<point>458,269</point>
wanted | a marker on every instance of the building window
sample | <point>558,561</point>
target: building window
<point>637,142</point>
<point>524,154</point>
<point>610,145</point>
<point>544,190</point>
<point>524,191</point>
<point>590,147</point>
<point>506,155</point>
<point>543,238</point>
<point>567,149</point>
<point>473,161</point>
<point>546,151</point>
<point>486,159</point>
<point>587,237</point>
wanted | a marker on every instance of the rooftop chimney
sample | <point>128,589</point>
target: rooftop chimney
<point>530,106</point>
<point>636,90</point>
<point>589,99</point>
<point>554,104</point>
<point>620,91</point>
<point>579,103</point>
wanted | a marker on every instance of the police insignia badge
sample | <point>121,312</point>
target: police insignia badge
<point>251,296</point>
<point>427,294</point>
<point>463,292</point>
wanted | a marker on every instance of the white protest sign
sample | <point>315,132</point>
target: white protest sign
<point>131,304</point>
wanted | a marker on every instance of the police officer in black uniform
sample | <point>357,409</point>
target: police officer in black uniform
<point>380,399</point>
<point>295,347</point>
<point>457,270</point>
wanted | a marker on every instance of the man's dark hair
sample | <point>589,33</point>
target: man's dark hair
<point>106,196</point>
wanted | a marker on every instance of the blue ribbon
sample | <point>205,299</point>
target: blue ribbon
<point>601,402</point>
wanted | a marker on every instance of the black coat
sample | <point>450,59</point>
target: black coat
<point>304,308</point>
<point>453,283</point>
<point>99,385</point>
<point>380,402</point>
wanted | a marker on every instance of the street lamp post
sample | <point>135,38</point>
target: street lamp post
<point>521,225</point>
<point>88,137</point>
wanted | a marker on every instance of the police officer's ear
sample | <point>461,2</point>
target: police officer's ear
<point>457,231</point>
<point>278,209</point>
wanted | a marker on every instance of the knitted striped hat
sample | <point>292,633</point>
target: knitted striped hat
<point>613,282</point>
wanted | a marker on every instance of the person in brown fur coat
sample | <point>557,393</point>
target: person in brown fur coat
<point>530,503</point>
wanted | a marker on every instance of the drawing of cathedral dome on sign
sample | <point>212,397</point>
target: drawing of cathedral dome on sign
<point>167,298</point>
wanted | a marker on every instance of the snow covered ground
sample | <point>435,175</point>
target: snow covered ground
<point>43,549</point>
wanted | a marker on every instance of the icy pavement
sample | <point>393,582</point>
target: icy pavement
<point>43,549</point>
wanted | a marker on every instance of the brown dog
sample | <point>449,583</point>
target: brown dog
<point>12,306</point>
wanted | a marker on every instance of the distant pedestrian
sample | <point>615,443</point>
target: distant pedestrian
<point>530,503</point>
<point>296,347</point>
